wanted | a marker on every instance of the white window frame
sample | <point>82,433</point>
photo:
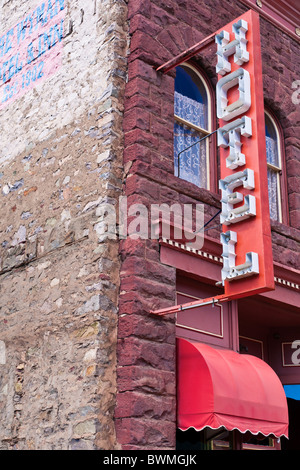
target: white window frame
<point>197,128</point>
<point>277,169</point>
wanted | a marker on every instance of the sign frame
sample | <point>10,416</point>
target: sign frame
<point>250,242</point>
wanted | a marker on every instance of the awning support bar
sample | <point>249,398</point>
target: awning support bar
<point>187,54</point>
<point>187,306</point>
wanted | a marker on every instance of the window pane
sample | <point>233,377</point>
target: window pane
<point>191,105</point>
<point>190,110</point>
<point>189,85</point>
<point>273,193</point>
<point>190,164</point>
<point>271,143</point>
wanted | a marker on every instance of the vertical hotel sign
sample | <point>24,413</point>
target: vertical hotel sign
<point>246,233</point>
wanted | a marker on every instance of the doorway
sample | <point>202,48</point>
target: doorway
<point>293,400</point>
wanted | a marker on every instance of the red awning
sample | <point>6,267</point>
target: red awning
<point>221,388</point>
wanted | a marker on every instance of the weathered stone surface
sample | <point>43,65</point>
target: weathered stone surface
<point>60,160</point>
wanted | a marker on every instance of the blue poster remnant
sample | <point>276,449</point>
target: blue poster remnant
<point>31,51</point>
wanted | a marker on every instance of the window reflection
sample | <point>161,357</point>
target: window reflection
<point>191,124</point>
<point>274,167</point>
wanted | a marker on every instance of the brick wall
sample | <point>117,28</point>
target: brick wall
<point>279,73</point>
<point>61,161</point>
<point>159,30</point>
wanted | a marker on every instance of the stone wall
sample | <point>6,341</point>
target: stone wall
<point>61,162</point>
<point>160,30</point>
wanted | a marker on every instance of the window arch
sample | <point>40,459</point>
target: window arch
<point>192,122</point>
<point>276,173</point>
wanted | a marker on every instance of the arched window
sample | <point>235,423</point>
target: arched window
<point>192,109</point>
<point>274,148</point>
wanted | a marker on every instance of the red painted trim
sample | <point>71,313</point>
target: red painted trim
<point>288,274</point>
<point>212,250</point>
<point>209,271</point>
<point>284,296</point>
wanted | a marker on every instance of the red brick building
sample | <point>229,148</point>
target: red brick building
<point>156,273</point>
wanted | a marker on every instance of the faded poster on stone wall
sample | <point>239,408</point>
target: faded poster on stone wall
<point>31,51</point>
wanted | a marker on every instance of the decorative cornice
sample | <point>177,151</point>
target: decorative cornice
<point>287,283</point>
<point>290,274</point>
<point>283,14</point>
<point>193,251</point>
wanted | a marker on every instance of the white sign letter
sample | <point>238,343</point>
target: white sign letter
<point>241,78</point>
<point>238,47</point>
